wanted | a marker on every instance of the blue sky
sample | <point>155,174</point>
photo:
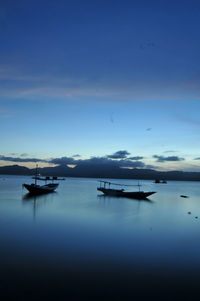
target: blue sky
<point>97,77</point>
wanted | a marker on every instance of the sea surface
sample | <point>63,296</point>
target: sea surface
<point>76,243</point>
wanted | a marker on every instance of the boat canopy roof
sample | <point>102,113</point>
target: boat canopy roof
<point>48,178</point>
<point>110,183</point>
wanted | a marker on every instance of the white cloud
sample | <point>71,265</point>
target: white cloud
<point>19,84</point>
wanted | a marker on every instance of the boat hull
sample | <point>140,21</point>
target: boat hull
<point>37,189</point>
<point>140,195</point>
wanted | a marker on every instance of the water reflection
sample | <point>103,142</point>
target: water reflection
<point>98,242</point>
<point>119,204</point>
<point>36,201</point>
<point>107,197</point>
<point>124,212</point>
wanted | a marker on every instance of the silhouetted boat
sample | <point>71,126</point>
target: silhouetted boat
<point>141,195</point>
<point>38,189</point>
<point>34,188</point>
<point>157,181</point>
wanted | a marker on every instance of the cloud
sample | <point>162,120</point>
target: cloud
<point>16,83</point>
<point>99,161</point>
<point>24,155</point>
<point>189,120</point>
<point>119,155</point>
<point>135,158</point>
<point>117,160</point>
<point>110,162</point>
<point>63,161</point>
<point>170,151</point>
<point>129,163</point>
<point>58,161</point>
<point>149,166</point>
<point>170,158</point>
<point>20,83</point>
<point>18,159</point>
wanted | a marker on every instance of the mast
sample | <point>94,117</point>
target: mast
<point>36,174</point>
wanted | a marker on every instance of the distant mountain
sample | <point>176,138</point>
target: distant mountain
<point>15,170</point>
<point>60,170</point>
<point>102,171</point>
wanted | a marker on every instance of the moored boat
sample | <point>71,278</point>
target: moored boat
<point>141,195</point>
<point>38,189</point>
<point>34,188</point>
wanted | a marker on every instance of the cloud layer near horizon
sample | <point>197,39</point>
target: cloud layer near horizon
<point>120,159</point>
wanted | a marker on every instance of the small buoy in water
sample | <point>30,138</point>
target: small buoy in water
<point>196,216</point>
<point>189,212</point>
<point>184,196</point>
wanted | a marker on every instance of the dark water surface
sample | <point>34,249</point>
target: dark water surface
<point>75,243</point>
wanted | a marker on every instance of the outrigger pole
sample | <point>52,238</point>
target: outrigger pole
<point>109,183</point>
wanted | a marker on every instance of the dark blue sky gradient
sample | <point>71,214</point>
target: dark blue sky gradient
<point>103,38</point>
<point>82,69</point>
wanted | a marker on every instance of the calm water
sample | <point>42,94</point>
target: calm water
<point>77,243</point>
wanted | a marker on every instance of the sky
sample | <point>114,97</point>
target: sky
<point>91,79</point>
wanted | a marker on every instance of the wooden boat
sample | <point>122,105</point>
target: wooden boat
<point>38,189</point>
<point>141,195</point>
<point>34,188</point>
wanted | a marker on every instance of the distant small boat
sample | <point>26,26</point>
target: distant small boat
<point>184,196</point>
<point>140,195</point>
<point>157,181</point>
<point>34,188</point>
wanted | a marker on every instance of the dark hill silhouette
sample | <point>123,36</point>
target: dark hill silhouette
<point>15,170</point>
<point>102,171</point>
<point>96,171</point>
<point>60,170</point>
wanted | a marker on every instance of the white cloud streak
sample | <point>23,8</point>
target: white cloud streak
<point>16,83</point>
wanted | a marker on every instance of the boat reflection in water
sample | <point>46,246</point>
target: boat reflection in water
<point>37,200</point>
<point>139,195</point>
